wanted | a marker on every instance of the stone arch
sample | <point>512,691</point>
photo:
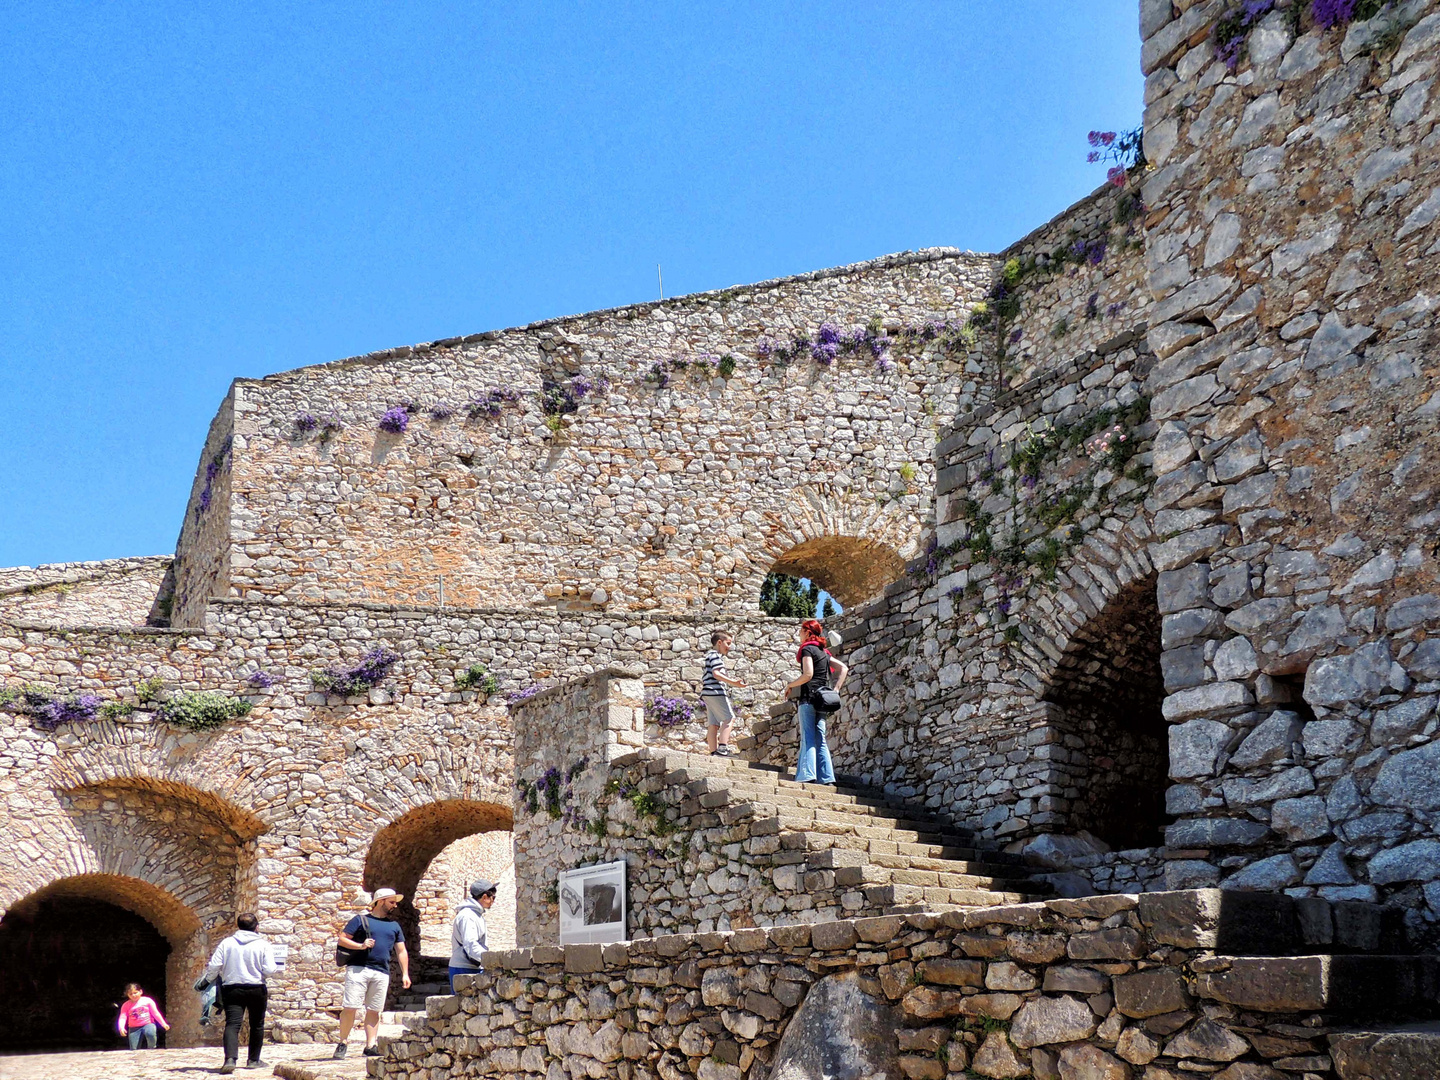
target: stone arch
<point>851,547</point>
<point>1103,699</point>
<point>74,954</point>
<point>154,847</point>
<point>403,849</point>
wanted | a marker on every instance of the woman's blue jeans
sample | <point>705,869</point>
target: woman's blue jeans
<point>814,763</point>
<point>148,1033</point>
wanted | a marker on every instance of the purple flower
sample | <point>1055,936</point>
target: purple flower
<point>829,334</point>
<point>442,411</point>
<point>764,347</point>
<point>396,419</point>
<point>1016,335</point>
<point>205,496</point>
<point>1093,156</point>
<point>1003,606</point>
<point>50,713</point>
<point>580,386</point>
<point>824,352</point>
<point>1116,175</point>
<point>1328,13</point>
<point>306,422</point>
<point>879,346</point>
<point>372,669</point>
<point>514,697</point>
<point>262,680</point>
<point>1091,251</point>
<point>668,711</point>
<point>883,364</point>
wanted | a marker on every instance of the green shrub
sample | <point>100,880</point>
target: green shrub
<point>477,677</point>
<point>203,710</point>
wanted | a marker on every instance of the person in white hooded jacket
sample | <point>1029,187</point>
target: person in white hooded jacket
<point>243,960</point>
<point>468,936</point>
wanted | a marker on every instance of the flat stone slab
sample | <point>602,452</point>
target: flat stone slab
<point>840,1032</point>
<point>1402,1053</point>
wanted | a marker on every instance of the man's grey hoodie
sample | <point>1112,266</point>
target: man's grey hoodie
<point>243,959</point>
<point>468,938</point>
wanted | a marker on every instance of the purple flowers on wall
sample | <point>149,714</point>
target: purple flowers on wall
<point>1328,13</point>
<point>396,419</point>
<point>306,422</point>
<point>668,711</point>
<point>360,678</point>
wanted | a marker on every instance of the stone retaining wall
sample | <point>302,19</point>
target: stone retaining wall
<point>1069,988</point>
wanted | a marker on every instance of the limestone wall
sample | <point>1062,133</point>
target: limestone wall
<point>1067,988</point>
<point>1290,242</point>
<point>674,497</point>
<point>111,592</point>
<point>1012,676</point>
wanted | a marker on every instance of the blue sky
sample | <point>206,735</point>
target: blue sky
<point>191,193</point>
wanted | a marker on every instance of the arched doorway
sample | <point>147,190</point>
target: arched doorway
<point>1107,693</point>
<point>68,950</point>
<point>400,855</point>
<point>446,883</point>
<point>853,570</point>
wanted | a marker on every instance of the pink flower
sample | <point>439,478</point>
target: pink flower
<point>1116,176</point>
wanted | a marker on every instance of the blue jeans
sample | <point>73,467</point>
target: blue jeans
<point>147,1033</point>
<point>461,971</point>
<point>814,754</point>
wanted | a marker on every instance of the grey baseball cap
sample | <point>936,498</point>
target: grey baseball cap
<point>480,888</point>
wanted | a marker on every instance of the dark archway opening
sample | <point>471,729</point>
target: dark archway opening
<point>66,961</point>
<point>1109,689</point>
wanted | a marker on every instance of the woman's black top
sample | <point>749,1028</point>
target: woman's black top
<point>820,659</point>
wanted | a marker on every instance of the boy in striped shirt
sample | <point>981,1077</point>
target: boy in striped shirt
<point>718,713</point>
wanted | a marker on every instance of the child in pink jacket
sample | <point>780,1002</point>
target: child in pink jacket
<point>138,1017</point>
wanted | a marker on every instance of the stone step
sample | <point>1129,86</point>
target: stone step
<point>1402,1052</point>
<point>927,899</point>
<point>976,874</point>
<point>1360,986</point>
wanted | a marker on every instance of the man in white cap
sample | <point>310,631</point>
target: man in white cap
<point>468,936</point>
<point>366,944</point>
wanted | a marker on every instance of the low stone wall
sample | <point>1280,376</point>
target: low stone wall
<point>1064,989</point>
<point>112,592</point>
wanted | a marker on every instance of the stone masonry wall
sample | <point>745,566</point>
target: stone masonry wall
<point>113,592</point>
<point>675,497</point>
<point>1069,988</point>
<point>1291,235</point>
<point>1041,531</point>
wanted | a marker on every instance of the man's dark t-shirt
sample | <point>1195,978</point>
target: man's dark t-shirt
<point>387,934</point>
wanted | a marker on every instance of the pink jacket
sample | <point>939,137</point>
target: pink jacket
<point>138,1013</point>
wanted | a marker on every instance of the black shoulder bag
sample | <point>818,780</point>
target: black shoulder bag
<point>345,957</point>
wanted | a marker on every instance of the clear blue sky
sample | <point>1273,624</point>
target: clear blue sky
<point>194,192</point>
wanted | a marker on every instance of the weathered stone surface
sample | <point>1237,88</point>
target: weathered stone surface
<point>1150,993</point>
<point>1270,984</point>
<point>1409,779</point>
<point>1395,1055</point>
<point>1194,747</point>
<point>1416,861</point>
<point>1049,1020</point>
<point>1086,1062</point>
<point>838,1031</point>
<point>997,1058</point>
<point>1270,741</point>
<point>1207,1041</point>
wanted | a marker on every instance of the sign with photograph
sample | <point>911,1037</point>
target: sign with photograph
<point>592,904</point>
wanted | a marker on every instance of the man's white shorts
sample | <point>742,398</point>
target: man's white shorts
<point>365,988</point>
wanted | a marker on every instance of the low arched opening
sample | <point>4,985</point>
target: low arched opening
<point>1106,695</point>
<point>465,837</point>
<point>68,950</point>
<point>852,569</point>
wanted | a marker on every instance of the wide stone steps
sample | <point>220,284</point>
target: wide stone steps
<point>851,838</point>
<point>1395,1052</point>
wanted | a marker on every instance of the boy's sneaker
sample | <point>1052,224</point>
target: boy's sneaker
<point>372,1051</point>
<point>339,1052</point>
<point>721,751</point>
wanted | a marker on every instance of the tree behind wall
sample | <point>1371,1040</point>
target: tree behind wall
<point>786,597</point>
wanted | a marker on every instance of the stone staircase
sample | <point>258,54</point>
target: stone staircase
<point>901,857</point>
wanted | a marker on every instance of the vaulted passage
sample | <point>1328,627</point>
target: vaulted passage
<point>1108,690</point>
<point>68,951</point>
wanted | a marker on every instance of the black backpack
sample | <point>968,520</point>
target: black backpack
<point>347,957</point>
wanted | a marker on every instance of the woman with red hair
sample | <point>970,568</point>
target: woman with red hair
<point>816,663</point>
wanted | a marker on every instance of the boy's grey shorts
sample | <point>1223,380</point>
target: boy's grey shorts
<point>717,710</point>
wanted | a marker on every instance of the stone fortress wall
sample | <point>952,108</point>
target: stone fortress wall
<point>646,496</point>
<point>1161,536</point>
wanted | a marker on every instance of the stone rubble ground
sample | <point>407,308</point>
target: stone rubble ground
<point>295,1062</point>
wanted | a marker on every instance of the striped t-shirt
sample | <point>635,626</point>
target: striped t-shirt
<point>710,686</point>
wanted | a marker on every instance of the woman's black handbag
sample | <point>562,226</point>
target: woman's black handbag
<point>827,700</point>
<point>345,957</point>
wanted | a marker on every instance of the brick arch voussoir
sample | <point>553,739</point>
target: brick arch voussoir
<point>848,543</point>
<point>1111,567</point>
<point>217,786</point>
